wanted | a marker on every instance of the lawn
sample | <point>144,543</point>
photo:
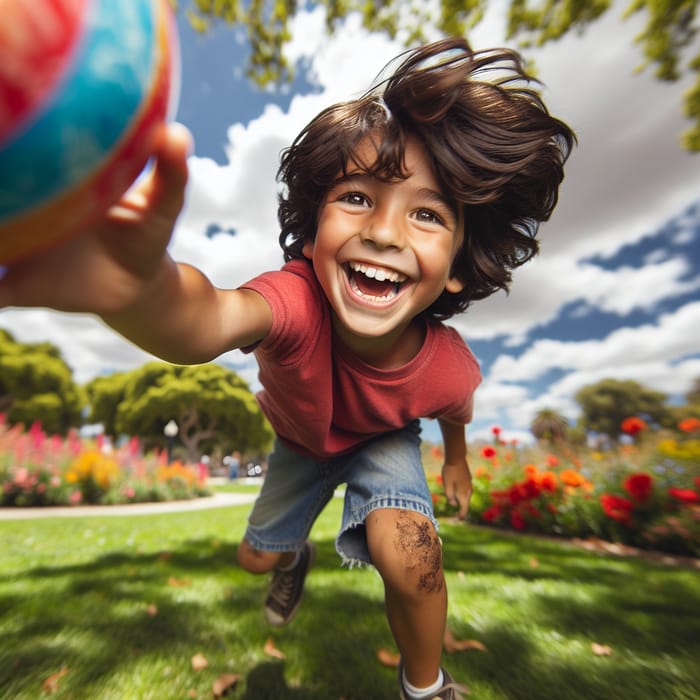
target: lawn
<point>117,608</point>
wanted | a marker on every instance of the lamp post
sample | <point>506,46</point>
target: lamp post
<point>170,431</point>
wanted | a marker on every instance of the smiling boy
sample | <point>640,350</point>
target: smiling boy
<point>400,208</point>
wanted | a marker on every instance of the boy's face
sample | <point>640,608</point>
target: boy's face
<point>383,250</point>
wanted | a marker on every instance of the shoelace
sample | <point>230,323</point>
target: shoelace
<point>282,587</point>
<point>453,686</point>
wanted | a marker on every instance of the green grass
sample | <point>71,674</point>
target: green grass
<point>75,593</point>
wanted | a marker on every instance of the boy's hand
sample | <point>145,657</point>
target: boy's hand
<point>110,265</point>
<point>457,483</point>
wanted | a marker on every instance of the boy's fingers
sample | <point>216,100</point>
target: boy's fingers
<point>169,178</point>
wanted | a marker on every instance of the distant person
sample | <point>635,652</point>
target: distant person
<point>203,469</point>
<point>398,210</point>
<point>234,464</point>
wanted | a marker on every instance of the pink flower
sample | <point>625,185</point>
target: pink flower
<point>75,498</point>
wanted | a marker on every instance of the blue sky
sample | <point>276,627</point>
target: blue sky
<point>614,292</point>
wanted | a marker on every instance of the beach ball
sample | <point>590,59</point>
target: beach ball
<point>84,85</point>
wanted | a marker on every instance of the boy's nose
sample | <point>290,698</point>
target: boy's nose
<point>383,231</point>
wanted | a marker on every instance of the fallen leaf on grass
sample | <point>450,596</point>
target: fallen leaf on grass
<point>451,644</point>
<point>271,650</point>
<point>224,683</point>
<point>152,610</point>
<point>50,685</point>
<point>199,662</point>
<point>388,658</point>
<point>178,582</point>
<point>534,563</point>
<point>601,649</point>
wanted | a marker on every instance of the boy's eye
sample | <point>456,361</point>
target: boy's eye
<point>356,198</point>
<point>428,216</point>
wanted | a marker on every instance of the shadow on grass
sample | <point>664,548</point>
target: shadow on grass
<point>138,618</point>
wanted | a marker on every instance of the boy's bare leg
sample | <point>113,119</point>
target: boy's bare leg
<point>406,551</point>
<point>258,562</point>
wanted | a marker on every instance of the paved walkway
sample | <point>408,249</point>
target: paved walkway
<point>217,500</point>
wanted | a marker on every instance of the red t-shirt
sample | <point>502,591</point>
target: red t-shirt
<point>324,401</point>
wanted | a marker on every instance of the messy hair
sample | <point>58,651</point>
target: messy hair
<point>494,149</point>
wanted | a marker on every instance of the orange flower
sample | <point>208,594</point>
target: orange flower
<point>570,477</point>
<point>689,425</point>
<point>531,469</point>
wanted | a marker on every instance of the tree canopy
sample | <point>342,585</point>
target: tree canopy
<point>607,403</point>
<point>212,406</point>
<point>36,384</point>
<point>667,42</point>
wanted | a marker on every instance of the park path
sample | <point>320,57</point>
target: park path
<point>217,500</point>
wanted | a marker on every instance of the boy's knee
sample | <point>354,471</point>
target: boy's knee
<point>410,559</point>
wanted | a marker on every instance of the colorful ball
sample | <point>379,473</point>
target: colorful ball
<point>84,85</point>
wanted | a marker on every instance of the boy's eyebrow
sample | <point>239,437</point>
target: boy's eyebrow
<point>425,192</point>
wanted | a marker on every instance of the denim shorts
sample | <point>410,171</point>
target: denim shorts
<point>386,472</point>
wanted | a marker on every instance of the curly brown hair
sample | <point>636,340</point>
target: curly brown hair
<point>494,148</point>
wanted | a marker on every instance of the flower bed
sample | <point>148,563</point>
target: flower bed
<point>644,494</point>
<point>41,470</point>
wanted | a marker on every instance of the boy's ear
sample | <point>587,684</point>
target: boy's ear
<point>454,285</point>
<point>308,250</point>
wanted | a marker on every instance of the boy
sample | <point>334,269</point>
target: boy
<point>400,208</point>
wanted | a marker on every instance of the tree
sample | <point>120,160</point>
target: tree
<point>36,384</point>
<point>606,404</point>
<point>667,39</point>
<point>549,426</point>
<point>104,395</point>
<point>212,406</point>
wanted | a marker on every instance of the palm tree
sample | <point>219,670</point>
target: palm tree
<point>549,426</point>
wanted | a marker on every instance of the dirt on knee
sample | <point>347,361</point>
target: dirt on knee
<point>419,546</point>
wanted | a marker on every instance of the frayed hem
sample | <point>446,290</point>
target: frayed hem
<point>352,562</point>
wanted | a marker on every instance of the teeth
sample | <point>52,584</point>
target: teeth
<point>380,274</point>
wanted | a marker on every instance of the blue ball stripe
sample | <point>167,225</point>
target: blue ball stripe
<point>90,110</point>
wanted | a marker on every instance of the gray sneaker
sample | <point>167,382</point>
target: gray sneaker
<point>449,691</point>
<point>287,588</point>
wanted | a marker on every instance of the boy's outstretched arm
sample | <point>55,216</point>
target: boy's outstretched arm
<point>119,269</point>
<point>456,475</point>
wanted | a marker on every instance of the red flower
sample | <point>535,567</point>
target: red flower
<point>617,508</point>
<point>685,495</point>
<point>496,430</point>
<point>633,425</point>
<point>548,481</point>
<point>491,514</point>
<point>488,452</point>
<point>689,425</point>
<point>436,452</point>
<point>552,461</point>
<point>639,486</point>
<point>517,520</point>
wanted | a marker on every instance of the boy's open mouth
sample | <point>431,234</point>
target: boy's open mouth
<point>375,284</point>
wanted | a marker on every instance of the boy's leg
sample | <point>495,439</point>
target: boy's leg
<point>295,490</point>
<point>406,551</point>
